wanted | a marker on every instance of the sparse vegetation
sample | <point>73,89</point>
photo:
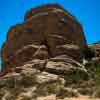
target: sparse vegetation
<point>88,53</point>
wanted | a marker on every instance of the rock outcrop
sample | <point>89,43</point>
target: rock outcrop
<point>59,81</point>
<point>96,48</point>
<point>47,32</point>
<point>42,58</point>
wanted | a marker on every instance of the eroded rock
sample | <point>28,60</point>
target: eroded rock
<point>46,32</point>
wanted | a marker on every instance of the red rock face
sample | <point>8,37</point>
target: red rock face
<point>47,31</point>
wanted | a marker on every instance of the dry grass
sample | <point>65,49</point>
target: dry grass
<point>81,98</point>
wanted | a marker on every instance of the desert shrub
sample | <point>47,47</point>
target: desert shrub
<point>28,80</point>
<point>10,82</point>
<point>45,89</point>
<point>75,77</point>
<point>97,75</point>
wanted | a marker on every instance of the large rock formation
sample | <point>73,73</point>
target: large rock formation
<point>46,32</point>
<point>57,78</point>
<point>41,58</point>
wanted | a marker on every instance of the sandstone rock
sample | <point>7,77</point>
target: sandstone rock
<point>48,31</point>
<point>51,97</point>
<point>92,54</point>
<point>44,54</point>
<point>47,77</point>
<point>33,84</point>
<point>96,48</point>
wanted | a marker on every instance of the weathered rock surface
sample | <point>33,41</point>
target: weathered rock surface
<point>41,58</point>
<point>96,48</point>
<point>47,31</point>
<point>32,84</point>
<point>93,53</point>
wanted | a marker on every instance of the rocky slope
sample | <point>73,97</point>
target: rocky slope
<point>42,58</point>
<point>29,82</point>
